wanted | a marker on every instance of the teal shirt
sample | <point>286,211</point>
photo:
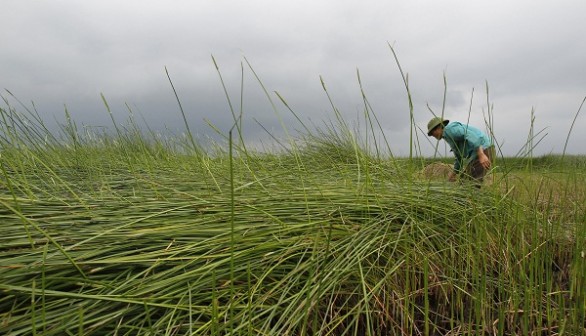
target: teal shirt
<point>464,141</point>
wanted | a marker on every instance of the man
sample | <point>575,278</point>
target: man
<point>472,148</point>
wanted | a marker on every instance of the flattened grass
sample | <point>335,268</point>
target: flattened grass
<point>317,249</point>
<point>129,235</point>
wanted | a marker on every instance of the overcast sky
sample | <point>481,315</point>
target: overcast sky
<point>532,53</point>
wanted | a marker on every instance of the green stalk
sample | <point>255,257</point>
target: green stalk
<point>232,230</point>
<point>571,128</point>
<point>33,306</point>
<point>410,101</point>
<point>194,146</point>
<point>43,286</point>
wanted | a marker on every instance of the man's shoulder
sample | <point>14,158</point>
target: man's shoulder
<point>453,125</point>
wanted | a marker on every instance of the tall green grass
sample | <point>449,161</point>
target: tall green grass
<point>133,233</point>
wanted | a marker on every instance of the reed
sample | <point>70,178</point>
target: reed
<point>329,237</point>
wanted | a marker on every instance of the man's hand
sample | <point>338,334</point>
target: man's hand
<point>482,158</point>
<point>484,161</point>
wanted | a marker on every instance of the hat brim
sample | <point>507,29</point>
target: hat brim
<point>443,123</point>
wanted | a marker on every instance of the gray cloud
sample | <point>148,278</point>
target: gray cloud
<point>67,53</point>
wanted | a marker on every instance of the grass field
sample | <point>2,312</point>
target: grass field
<point>128,234</point>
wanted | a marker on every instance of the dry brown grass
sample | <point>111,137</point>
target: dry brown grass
<point>435,171</point>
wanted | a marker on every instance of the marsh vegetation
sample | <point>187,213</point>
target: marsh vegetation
<point>135,234</point>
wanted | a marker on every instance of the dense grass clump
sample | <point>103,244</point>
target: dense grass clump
<point>132,235</point>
